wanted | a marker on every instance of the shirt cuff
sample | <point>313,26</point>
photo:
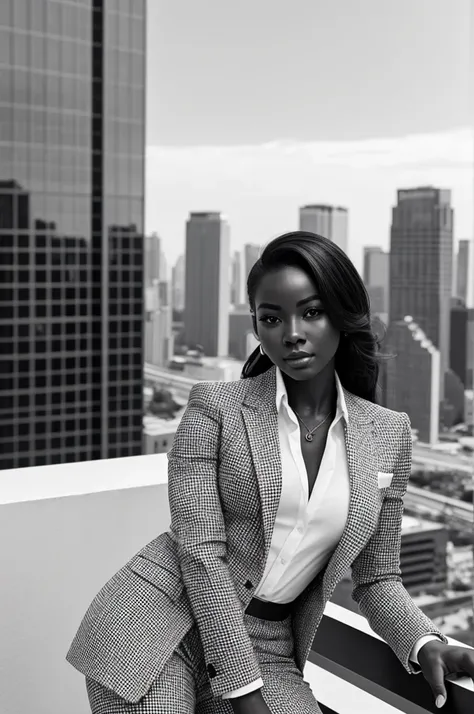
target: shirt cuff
<point>257,684</point>
<point>419,644</point>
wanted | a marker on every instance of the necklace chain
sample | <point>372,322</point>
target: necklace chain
<point>309,435</point>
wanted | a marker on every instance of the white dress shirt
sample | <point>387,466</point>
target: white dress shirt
<point>307,528</point>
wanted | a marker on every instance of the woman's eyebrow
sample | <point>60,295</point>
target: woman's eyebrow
<point>271,306</point>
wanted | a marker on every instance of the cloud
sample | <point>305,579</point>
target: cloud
<point>260,187</point>
<point>453,149</point>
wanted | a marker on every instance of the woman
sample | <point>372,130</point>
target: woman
<point>278,483</point>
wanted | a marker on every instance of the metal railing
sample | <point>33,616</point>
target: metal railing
<point>347,647</point>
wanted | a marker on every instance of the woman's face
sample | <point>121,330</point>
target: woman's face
<point>291,319</point>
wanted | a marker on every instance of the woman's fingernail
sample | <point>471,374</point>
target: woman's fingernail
<point>440,700</point>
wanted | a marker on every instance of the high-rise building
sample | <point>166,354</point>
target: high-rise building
<point>423,559</point>
<point>423,562</point>
<point>421,255</point>
<point>177,284</point>
<point>470,349</point>
<point>159,341</point>
<point>236,279</point>
<point>328,221</point>
<point>470,277</point>
<point>458,339</point>
<point>251,255</point>
<point>462,268</point>
<point>240,329</point>
<point>206,314</point>
<point>412,377</point>
<point>153,259</point>
<point>376,279</point>
<point>469,408</point>
<point>452,409</point>
<point>71,231</point>
<point>164,271</point>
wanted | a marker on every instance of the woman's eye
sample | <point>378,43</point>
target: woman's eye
<point>269,319</point>
<point>313,312</point>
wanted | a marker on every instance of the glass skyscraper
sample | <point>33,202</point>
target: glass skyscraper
<point>421,264</point>
<point>72,118</point>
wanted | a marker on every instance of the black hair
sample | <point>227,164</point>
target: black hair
<point>345,300</point>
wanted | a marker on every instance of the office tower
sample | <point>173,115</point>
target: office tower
<point>376,279</point>
<point>469,409</point>
<point>423,562</point>
<point>177,284</point>
<point>462,269</point>
<point>251,255</point>
<point>153,259</point>
<point>71,231</point>
<point>240,328</point>
<point>470,349</point>
<point>470,276</point>
<point>206,314</point>
<point>159,341</point>
<point>413,377</point>
<point>421,253</point>
<point>328,221</point>
<point>452,409</point>
<point>458,339</point>
<point>163,274</point>
<point>423,556</point>
<point>236,279</point>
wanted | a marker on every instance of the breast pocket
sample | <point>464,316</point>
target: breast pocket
<point>156,570</point>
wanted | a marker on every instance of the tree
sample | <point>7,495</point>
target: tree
<point>162,403</point>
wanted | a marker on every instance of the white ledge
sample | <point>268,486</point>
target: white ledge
<point>37,483</point>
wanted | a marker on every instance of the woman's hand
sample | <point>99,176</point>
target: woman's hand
<point>252,703</point>
<point>437,660</point>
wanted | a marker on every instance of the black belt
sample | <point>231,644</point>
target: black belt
<point>269,610</point>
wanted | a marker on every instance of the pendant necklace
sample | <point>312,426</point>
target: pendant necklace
<point>309,435</point>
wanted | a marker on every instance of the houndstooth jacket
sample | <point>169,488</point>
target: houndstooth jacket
<point>224,485</point>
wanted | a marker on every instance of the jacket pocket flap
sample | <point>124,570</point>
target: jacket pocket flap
<point>161,577</point>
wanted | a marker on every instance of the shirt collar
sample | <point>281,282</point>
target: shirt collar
<point>282,396</point>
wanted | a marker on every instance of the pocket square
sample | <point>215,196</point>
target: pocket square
<point>384,480</point>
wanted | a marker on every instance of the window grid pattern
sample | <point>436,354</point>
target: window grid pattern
<point>71,226</point>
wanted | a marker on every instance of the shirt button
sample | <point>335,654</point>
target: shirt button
<point>283,561</point>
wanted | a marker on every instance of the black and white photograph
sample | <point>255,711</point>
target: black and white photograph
<point>236,356</point>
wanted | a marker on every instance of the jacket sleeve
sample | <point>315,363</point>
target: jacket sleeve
<point>197,525</point>
<point>377,584</point>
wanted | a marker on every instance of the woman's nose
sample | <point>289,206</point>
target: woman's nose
<point>293,332</point>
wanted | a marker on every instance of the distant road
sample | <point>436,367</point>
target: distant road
<point>167,378</point>
<point>440,460</point>
<point>452,508</point>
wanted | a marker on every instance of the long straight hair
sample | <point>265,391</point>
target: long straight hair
<point>345,300</point>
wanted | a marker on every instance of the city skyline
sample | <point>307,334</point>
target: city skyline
<point>309,109</point>
<point>261,202</point>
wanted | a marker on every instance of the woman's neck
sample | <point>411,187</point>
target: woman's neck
<point>314,397</point>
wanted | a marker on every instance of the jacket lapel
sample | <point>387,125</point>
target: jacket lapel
<point>261,423</point>
<point>363,512</point>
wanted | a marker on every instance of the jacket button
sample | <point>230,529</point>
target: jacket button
<point>211,670</point>
<point>248,585</point>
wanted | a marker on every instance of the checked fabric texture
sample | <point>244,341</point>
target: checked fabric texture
<point>224,483</point>
<point>183,686</point>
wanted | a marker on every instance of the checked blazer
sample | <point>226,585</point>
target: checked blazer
<point>224,484</point>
